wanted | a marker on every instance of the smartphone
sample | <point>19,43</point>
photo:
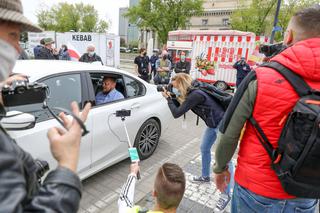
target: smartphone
<point>133,153</point>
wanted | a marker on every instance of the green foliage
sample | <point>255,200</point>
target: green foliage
<point>163,16</point>
<point>133,44</point>
<point>64,17</point>
<point>258,17</point>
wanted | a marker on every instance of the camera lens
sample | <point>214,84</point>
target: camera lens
<point>20,90</point>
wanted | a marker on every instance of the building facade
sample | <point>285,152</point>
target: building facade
<point>123,24</point>
<point>216,15</point>
<point>128,31</point>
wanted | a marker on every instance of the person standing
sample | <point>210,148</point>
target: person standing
<point>90,56</point>
<point>183,65</point>
<point>211,113</point>
<point>243,70</point>
<point>48,52</point>
<point>36,49</point>
<point>153,61</point>
<point>142,66</point>
<point>163,66</point>
<point>20,190</point>
<point>63,53</point>
<point>268,97</point>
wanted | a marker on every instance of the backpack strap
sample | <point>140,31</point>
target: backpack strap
<point>273,153</point>
<point>299,85</point>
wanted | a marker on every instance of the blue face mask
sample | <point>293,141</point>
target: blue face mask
<point>176,91</point>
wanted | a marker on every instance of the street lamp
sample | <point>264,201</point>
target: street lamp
<point>275,27</point>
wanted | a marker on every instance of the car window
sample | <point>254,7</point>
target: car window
<point>63,90</point>
<point>134,88</point>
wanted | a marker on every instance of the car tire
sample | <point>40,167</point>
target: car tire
<point>147,138</point>
<point>221,85</point>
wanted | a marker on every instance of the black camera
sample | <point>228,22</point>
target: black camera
<point>23,93</point>
<point>270,50</point>
<point>42,167</point>
<point>168,87</point>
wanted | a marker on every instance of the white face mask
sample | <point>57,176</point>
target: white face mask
<point>91,53</point>
<point>8,57</point>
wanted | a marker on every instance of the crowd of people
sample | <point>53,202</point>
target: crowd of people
<point>264,98</point>
<point>46,51</point>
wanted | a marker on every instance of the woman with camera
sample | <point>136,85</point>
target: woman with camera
<point>188,98</point>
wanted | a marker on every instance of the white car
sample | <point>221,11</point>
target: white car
<point>106,143</point>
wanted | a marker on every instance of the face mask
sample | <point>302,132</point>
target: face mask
<point>176,91</point>
<point>91,53</point>
<point>8,57</point>
<point>183,58</point>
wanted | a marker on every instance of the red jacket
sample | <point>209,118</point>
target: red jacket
<point>275,99</point>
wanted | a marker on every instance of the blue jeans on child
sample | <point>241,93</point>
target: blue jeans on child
<point>245,201</point>
<point>208,140</point>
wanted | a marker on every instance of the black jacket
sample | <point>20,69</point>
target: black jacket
<point>183,67</point>
<point>201,104</point>
<point>19,187</point>
<point>45,53</point>
<point>88,59</point>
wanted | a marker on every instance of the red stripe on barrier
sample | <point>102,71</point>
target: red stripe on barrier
<point>257,38</point>
<point>215,38</point>
<point>239,38</point>
<point>201,38</point>
<point>209,53</point>
<point>231,38</point>
<point>247,53</point>
<point>239,53</point>
<point>231,53</point>
<point>223,38</point>
<point>216,54</point>
<point>208,38</point>
<point>73,54</point>
<point>248,38</point>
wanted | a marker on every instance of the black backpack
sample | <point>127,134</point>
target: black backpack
<point>297,159</point>
<point>221,97</point>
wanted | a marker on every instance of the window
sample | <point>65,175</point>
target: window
<point>204,21</point>
<point>225,22</point>
<point>134,88</point>
<point>62,91</point>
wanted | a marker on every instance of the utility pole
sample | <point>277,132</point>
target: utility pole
<point>275,28</point>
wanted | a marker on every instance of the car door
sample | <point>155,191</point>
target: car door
<point>109,141</point>
<point>63,89</point>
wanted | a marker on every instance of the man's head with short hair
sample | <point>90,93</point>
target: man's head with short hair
<point>169,186</point>
<point>303,25</point>
<point>108,84</point>
<point>91,48</point>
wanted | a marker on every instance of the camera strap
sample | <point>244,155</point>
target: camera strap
<point>80,122</point>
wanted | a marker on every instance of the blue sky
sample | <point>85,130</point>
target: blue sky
<point>107,9</point>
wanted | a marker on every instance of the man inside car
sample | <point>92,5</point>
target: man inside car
<point>109,92</point>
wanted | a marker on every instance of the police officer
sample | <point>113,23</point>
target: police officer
<point>19,187</point>
<point>242,70</point>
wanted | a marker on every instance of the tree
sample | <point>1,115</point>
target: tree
<point>254,18</point>
<point>258,17</point>
<point>163,16</point>
<point>64,17</point>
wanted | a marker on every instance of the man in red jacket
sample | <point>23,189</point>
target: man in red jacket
<point>268,97</point>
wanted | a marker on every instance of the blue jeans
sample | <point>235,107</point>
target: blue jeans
<point>245,201</point>
<point>208,140</point>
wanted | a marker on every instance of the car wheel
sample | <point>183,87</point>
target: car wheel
<point>221,85</point>
<point>147,138</point>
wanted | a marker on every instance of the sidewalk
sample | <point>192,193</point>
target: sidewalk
<point>198,198</point>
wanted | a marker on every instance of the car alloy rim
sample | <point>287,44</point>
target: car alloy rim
<point>148,139</point>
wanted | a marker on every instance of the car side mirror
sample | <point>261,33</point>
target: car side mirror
<point>16,120</point>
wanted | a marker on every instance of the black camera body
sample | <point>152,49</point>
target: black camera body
<point>270,50</point>
<point>23,93</point>
<point>168,87</point>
